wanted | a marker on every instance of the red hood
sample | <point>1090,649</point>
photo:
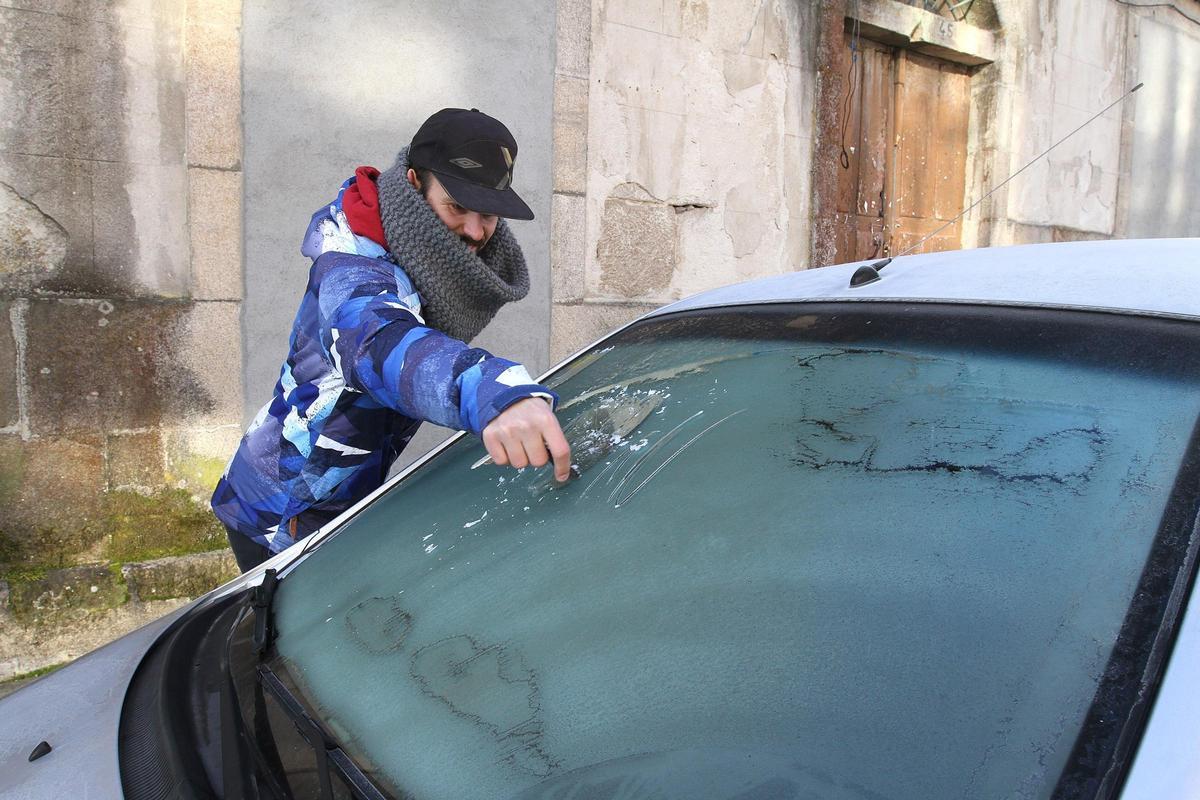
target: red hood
<point>360,204</point>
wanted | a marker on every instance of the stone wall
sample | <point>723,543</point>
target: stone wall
<point>683,143</point>
<point>1162,141</point>
<point>1058,64</point>
<point>120,278</point>
<point>689,134</point>
<point>48,620</point>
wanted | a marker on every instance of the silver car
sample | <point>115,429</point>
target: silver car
<point>922,529</point>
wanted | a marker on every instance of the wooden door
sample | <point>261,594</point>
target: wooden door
<point>901,149</point>
<point>931,146</point>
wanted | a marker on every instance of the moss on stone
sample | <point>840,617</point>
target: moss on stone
<point>198,473</point>
<point>10,550</point>
<point>131,527</point>
<point>184,576</point>
<point>167,523</point>
<point>16,574</point>
<point>12,471</point>
<point>65,592</point>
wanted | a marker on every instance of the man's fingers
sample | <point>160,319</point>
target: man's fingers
<point>560,451</point>
<point>495,447</point>
<point>527,432</point>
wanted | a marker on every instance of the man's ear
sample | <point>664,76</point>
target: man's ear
<point>413,180</point>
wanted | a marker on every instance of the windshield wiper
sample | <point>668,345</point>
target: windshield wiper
<point>260,602</point>
<point>325,748</point>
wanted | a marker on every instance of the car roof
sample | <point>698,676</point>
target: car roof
<point>1139,276</point>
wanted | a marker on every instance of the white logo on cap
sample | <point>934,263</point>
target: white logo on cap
<point>465,163</point>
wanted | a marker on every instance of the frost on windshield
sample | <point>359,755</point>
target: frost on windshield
<point>762,539</point>
<point>926,414</point>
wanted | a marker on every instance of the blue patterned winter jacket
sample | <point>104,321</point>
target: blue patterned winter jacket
<point>362,372</point>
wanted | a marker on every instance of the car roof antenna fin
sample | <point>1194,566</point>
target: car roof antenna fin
<point>880,265</point>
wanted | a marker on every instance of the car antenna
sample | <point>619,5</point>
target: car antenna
<point>870,273</point>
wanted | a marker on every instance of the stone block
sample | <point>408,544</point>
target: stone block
<point>636,248</point>
<point>196,457</point>
<point>214,97</point>
<point>568,246</point>
<point>686,18</point>
<point>63,8</point>
<point>570,134</point>
<point>32,244</point>
<point>574,326</point>
<point>141,526</point>
<point>12,474</point>
<point>51,496</point>
<point>141,240</point>
<point>179,576</point>
<point>60,191</point>
<point>35,92</point>
<point>10,412</point>
<point>1090,30</point>
<point>205,365</point>
<point>573,36</point>
<point>135,460</point>
<point>643,14</point>
<point>37,647</point>
<point>62,591</point>
<point>733,27</point>
<point>144,15</point>
<point>645,69</point>
<point>649,148</point>
<point>797,163</point>
<point>743,72</point>
<point>780,31</point>
<point>100,365</point>
<point>215,232</point>
<point>797,106</point>
<point>150,122</point>
<point>216,13</point>
<point>80,84</point>
<point>98,94</point>
<point>748,214</point>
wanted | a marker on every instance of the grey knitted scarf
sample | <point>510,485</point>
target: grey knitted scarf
<point>460,291</point>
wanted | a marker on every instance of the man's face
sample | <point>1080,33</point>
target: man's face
<point>473,228</point>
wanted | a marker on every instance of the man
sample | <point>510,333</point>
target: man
<point>408,266</point>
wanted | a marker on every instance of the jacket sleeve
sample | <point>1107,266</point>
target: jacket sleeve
<point>384,350</point>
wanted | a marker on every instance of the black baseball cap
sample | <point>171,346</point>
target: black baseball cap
<point>473,155</point>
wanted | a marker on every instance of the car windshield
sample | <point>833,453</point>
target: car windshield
<point>837,551</point>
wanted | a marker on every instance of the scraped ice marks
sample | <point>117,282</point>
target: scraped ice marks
<point>599,430</point>
<point>888,412</point>
<point>379,624</point>
<point>1064,457</point>
<point>618,500</point>
<point>490,686</point>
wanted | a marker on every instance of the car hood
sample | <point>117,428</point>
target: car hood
<point>76,710</point>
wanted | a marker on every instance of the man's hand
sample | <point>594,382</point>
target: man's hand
<point>527,433</point>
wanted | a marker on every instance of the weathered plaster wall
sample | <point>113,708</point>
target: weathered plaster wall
<point>326,91</point>
<point>699,128</point>
<point>120,197</point>
<point>1070,66</point>
<point>1060,64</point>
<point>1054,66</point>
<point>1164,134</point>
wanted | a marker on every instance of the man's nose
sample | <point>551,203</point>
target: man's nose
<point>473,225</point>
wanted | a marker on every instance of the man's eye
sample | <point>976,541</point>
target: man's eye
<point>457,209</point>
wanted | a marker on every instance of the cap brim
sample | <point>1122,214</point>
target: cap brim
<point>501,202</point>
